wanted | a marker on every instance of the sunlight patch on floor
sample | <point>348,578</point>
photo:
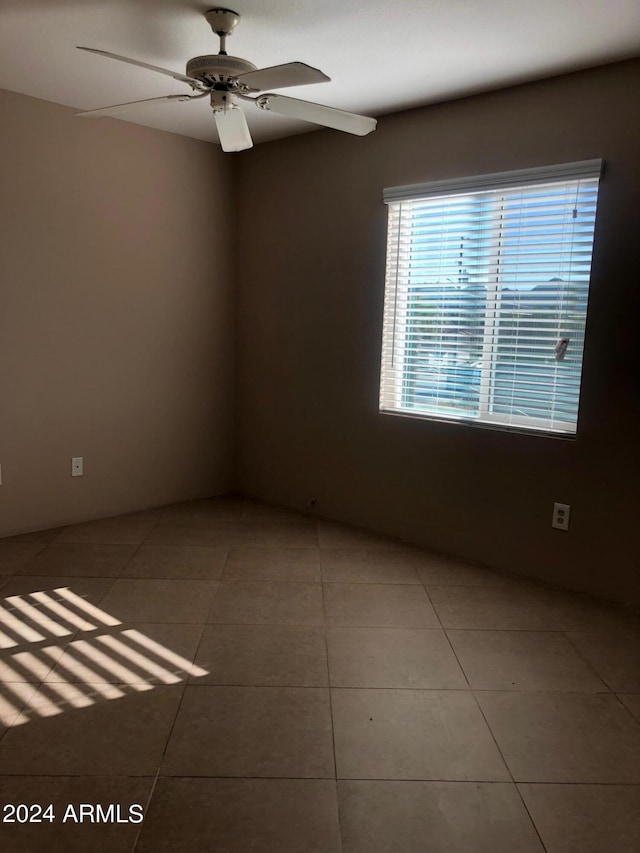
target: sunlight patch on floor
<point>43,680</point>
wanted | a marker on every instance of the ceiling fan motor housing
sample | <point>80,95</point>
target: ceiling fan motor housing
<point>217,68</point>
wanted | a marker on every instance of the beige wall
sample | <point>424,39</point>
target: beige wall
<point>116,316</point>
<point>311,279</point>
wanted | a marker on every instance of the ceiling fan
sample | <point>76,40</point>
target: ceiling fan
<point>228,80</point>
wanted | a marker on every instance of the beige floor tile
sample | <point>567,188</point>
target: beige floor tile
<point>268,602</point>
<point>218,534</point>
<point>353,566</point>
<point>131,654</point>
<point>269,534</point>
<point>120,736</point>
<point>334,535</point>
<point>392,657</point>
<point>564,737</point>
<point>278,655</point>
<point>142,600</point>
<point>65,794</point>
<point>581,613</point>
<point>42,537</point>
<point>278,564</point>
<point>413,734</point>
<point>199,522</point>
<point>206,511</point>
<point>242,816</point>
<point>616,658</point>
<point>252,731</point>
<point>379,606</point>
<point>79,559</point>
<point>178,562</point>
<point>585,818</point>
<point>440,570</point>
<point>522,660</point>
<point>631,701</point>
<point>434,817</point>
<point>255,511</point>
<point>521,607</point>
<point>151,513</point>
<point>120,530</point>
<point>14,555</point>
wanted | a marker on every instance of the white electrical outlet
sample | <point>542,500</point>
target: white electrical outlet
<point>560,518</point>
<point>77,466</point>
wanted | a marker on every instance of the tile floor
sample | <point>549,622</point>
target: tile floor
<point>259,681</point>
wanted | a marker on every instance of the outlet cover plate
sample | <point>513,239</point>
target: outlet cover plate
<point>560,519</point>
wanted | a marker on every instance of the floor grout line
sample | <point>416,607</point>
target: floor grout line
<point>146,810</point>
<point>383,779</point>
<point>333,729</point>
<point>489,729</point>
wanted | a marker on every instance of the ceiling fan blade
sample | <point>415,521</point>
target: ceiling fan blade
<point>318,114</point>
<point>176,76</point>
<point>233,130</point>
<point>279,76</point>
<point>118,108</point>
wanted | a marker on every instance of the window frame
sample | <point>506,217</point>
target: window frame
<point>392,389</point>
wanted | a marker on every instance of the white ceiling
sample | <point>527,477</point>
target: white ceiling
<point>382,55</point>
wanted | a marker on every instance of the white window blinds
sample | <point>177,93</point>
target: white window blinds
<point>487,283</point>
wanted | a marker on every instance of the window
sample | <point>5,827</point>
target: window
<point>487,283</point>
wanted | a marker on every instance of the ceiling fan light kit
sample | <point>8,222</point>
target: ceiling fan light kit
<point>229,80</point>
